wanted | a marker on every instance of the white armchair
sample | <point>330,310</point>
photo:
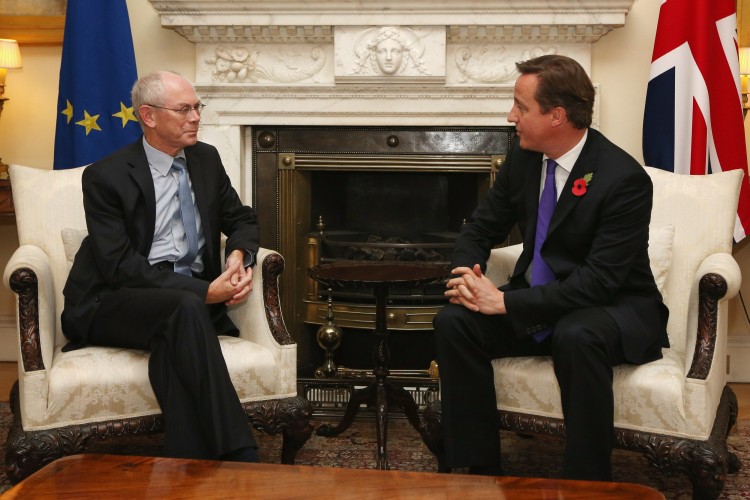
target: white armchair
<point>64,399</point>
<point>678,410</point>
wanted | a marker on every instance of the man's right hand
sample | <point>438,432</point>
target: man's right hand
<point>473,290</point>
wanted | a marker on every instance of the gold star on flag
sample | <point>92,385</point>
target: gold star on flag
<point>89,122</point>
<point>68,111</point>
<point>125,114</point>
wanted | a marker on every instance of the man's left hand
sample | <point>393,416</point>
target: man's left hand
<point>241,279</point>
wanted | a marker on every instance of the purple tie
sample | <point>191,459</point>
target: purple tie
<point>541,273</point>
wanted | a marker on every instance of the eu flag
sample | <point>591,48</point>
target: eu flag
<point>94,113</point>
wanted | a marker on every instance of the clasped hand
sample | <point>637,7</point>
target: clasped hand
<point>473,290</point>
<point>234,284</point>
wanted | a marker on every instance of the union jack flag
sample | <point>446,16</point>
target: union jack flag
<point>693,121</point>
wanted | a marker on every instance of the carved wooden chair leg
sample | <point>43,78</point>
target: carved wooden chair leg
<point>28,451</point>
<point>708,472</point>
<point>291,417</point>
<point>734,462</point>
<point>711,460</point>
<point>298,430</point>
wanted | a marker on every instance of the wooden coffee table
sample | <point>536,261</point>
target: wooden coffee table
<point>116,476</point>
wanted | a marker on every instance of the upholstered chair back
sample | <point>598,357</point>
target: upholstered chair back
<point>700,209</point>
<point>49,202</point>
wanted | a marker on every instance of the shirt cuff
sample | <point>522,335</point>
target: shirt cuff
<point>249,258</point>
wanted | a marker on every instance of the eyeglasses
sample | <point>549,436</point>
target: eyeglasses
<point>183,111</point>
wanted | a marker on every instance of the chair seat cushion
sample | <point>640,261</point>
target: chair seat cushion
<point>649,397</point>
<point>96,384</point>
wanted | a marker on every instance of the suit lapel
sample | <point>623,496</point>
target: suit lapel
<point>586,164</point>
<point>531,195</point>
<point>533,181</point>
<point>141,174</point>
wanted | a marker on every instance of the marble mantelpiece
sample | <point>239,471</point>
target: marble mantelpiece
<point>316,62</point>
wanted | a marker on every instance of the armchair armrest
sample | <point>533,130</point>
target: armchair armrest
<point>724,265</point>
<point>29,274</point>
<point>501,263</point>
<point>259,318</point>
<point>719,278</point>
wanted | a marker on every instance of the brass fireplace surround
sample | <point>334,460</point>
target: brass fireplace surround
<point>285,163</point>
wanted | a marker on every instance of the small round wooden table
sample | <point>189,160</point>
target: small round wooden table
<point>380,393</point>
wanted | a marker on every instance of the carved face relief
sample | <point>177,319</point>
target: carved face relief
<point>389,55</point>
<point>388,51</point>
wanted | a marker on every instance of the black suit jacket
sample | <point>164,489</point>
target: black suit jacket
<point>120,207</point>
<point>597,245</point>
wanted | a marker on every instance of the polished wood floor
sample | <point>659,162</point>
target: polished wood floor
<point>8,377</point>
<point>9,374</point>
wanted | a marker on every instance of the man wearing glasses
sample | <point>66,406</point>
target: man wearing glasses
<point>149,275</point>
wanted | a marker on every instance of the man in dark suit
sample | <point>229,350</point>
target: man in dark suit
<point>145,278</point>
<point>582,290</point>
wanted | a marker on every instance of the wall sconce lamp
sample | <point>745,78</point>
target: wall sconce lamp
<point>744,73</point>
<point>10,57</point>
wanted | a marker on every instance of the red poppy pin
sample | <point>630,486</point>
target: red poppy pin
<point>580,185</point>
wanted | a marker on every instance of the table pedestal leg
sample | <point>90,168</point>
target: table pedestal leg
<point>381,393</point>
<point>389,396</point>
<point>365,395</point>
<point>381,424</point>
<point>381,355</point>
<point>401,398</point>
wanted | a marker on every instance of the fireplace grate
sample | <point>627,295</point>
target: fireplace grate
<point>329,397</point>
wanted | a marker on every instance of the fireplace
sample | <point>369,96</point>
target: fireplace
<point>368,193</point>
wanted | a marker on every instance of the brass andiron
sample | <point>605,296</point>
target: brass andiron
<point>431,372</point>
<point>329,338</point>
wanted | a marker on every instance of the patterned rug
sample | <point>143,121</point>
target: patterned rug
<point>536,456</point>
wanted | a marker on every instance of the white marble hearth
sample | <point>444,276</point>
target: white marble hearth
<point>375,62</point>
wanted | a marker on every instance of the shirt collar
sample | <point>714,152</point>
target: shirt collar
<point>159,160</point>
<point>570,158</point>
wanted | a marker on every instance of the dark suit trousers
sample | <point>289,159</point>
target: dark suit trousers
<point>203,416</point>
<point>584,347</point>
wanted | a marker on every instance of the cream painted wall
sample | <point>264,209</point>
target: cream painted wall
<point>620,63</point>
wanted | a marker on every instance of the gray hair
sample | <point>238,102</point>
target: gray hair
<point>147,90</point>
